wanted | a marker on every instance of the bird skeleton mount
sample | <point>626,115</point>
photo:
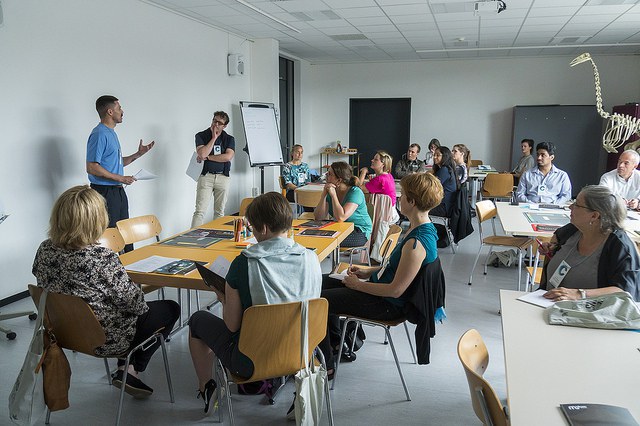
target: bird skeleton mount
<point>620,127</point>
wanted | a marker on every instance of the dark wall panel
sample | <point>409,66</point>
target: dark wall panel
<point>376,124</point>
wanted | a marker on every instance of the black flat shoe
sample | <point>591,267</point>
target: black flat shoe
<point>134,386</point>
<point>208,394</point>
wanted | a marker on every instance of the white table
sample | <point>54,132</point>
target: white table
<point>514,221</point>
<point>547,365</point>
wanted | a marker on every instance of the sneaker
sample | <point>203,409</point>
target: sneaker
<point>134,386</point>
<point>209,394</point>
<point>291,413</point>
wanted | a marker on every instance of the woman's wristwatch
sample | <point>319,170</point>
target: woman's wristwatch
<point>583,293</point>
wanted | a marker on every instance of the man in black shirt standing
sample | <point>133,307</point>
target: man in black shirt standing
<point>216,148</point>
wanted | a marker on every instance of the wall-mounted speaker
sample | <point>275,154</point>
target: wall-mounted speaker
<point>235,64</point>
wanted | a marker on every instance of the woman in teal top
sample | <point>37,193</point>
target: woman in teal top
<point>381,298</point>
<point>344,201</point>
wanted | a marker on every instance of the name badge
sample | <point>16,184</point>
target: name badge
<point>302,178</point>
<point>559,274</point>
<point>542,188</point>
<point>217,150</point>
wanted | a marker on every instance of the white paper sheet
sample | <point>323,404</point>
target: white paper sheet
<point>536,298</point>
<point>194,169</point>
<point>149,264</point>
<point>144,175</point>
<point>220,266</point>
<point>342,275</point>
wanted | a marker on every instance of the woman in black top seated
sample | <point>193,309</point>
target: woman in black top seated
<point>592,255</point>
<point>444,169</point>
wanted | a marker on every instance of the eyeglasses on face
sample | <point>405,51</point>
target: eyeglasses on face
<point>219,123</point>
<point>575,204</point>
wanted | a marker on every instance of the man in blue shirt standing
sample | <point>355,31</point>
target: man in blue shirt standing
<point>105,163</point>
<point>544,183</point>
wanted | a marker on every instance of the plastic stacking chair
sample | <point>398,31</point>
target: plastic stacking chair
<point>474,357</point>
<point>475,163</point>
<point>306,198</point>
<point>283,186</point>
<point>497,185</point>
<point>244,204</point>
<point>486,210</point>
<point>535,272</point>
<point>65,312</point>
<point>270,337</point>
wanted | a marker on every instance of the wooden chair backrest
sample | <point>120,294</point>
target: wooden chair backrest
<point>308,198</point>
<point>139,228</point>
<point>485,210</point>
<point>283,186</point>
<point>390,241</point>
<point>474,357</point>
<point>72,321</point>
<point>244,204</point>
<point>111,238</point>
<point>498,184</point>
<point>270,336</point>
<point>475,163</point>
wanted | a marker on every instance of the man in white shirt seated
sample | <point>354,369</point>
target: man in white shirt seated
<point>625,179</point>
<point>545,183</point>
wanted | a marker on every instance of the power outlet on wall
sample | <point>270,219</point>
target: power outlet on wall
<point>254,192</point>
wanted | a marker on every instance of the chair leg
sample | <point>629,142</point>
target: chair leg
<point>395,356</point>
<point>197,300</point>
<point>124,381</point>
<point>475,262</point>
<point>222,381</point>
<point>406,329</point>
<point>487,259</point>
<point>166,366</point>
<point>48,418</point>
<point>106,367</point>
<point>519,268</point>
<point>337,361</point>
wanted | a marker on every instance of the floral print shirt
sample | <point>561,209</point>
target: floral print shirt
<point>95,274</point>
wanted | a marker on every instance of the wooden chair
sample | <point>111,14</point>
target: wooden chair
<point>283,186</point>
<point>136,229</point>
<point>497,185</point>
<point>474,357</point>
<point>244,204</point>
<point>111,238</point>
<point>270,337</point>
<point>390,242</point>
<point>64,313</point>
<point>475,163</point>
<point>486,210</point>
<point>386,325</point>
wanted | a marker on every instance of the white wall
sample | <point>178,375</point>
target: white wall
<point>170,74</point>
<point>458,101</point>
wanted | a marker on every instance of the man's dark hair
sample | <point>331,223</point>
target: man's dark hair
<point>547,146</point>
<point>223,115</point>
<point>103,103</point>
<point>271,210</point>
<point>529,142</point>
<point>415,145</point>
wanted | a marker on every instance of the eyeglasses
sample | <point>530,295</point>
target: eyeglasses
<point>575,204</point>
<point>219,123</point>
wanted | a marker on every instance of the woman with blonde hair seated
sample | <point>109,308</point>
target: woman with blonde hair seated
<point>382,182</point>
<point>70,262</point>
<point>592,255</point>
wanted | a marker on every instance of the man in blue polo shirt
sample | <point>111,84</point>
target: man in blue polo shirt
<point>545,183</point>
<point>105,163</point>
<point>216,149</point>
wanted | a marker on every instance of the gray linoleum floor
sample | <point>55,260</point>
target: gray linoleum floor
<point>368,391</point>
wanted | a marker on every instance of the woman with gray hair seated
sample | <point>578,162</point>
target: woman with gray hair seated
<point>592,255</point>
